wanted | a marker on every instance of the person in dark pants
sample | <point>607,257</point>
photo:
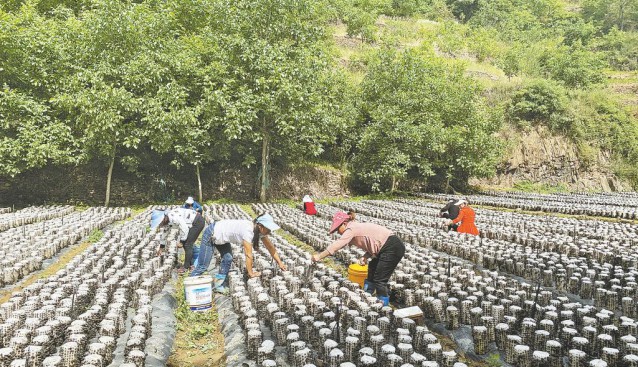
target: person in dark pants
<point>219,235</point>
<point>450,211</point>
<point>190,223</point>
<point>378,242</point>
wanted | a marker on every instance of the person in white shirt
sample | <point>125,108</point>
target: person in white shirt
<point>223,233</point>
<point>190,223</point>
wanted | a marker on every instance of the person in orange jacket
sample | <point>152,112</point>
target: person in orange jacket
<point>466,217</point>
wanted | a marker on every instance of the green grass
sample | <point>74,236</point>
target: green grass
<point>494,360</point>
<point>541,188</point>
<point>198,340</point>
<point>196,325</point>
<point>95,236</point>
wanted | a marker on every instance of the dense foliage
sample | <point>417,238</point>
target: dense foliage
<point>214,84</point>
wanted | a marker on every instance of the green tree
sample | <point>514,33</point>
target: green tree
<point>29,137</point>
<point>279,90</point>
<point>32,134</point>
<point>463,9</point>
<point>182,118</point>
<point>421,117</point>
<point>361,22</point>
<point>609,13</point>
<point>575,66</point>
<point>620,49</point>
<point>511,64</point>
<point>112,49</point>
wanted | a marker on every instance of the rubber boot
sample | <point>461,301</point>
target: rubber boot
<point>367,288</point>
<point>218,284</point>
<point>384,299</point>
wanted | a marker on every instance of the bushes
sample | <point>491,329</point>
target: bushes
<point>603,121</point>
<point>620,49</point>
<point>420,117</point>
<point>539,101</point>
<point>575,66</point>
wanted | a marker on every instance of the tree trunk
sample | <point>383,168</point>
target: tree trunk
<point>621,14</point>
<point>265,145</point>
<point>199,183</point>
<point>108,179</point>
<point>394,183</point>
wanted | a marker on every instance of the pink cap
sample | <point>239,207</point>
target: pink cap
<point>338,220</point>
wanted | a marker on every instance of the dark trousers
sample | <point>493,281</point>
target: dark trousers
<point>381,267</point>
<point>193,233</point>
<point>451,227</point>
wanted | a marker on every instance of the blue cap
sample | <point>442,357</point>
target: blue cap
<point>267,221</point>
<point>157,216</point>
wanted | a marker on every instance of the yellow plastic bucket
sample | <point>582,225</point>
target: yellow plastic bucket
<point>357,273</point>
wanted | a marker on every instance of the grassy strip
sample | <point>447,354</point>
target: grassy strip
<point>63,260</point>
<point>248,209</point>
<point>199,341</point>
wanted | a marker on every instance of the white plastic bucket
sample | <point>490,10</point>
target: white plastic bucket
<point>198,292</point>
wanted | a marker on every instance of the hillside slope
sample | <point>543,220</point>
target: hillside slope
<point>572,156</point>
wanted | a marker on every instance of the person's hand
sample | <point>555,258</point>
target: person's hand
<point>363,261</point>
<point>283,267</point>
<point>254,274</point>
<point>315,258</point>
<point>450,222</point>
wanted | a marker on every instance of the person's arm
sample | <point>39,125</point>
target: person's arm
<point>364,259</point>
<point>460,217</point>
<point>335,246</point>
<point>273,252</point>
<point>446,208</point>
<point>248,252</point>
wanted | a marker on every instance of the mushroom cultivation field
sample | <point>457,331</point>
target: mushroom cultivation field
<point>531,290</point>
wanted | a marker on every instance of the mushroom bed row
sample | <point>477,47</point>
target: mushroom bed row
<point>613,205</point>
<point>318,316</point>
<point>102,297</point>
<point>591,268</point>
<point>32,214</point>
<point>23,249</point>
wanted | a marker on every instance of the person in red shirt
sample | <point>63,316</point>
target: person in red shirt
<point>309,206</point>
<point>466,218</point>
<point>380,244</point>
